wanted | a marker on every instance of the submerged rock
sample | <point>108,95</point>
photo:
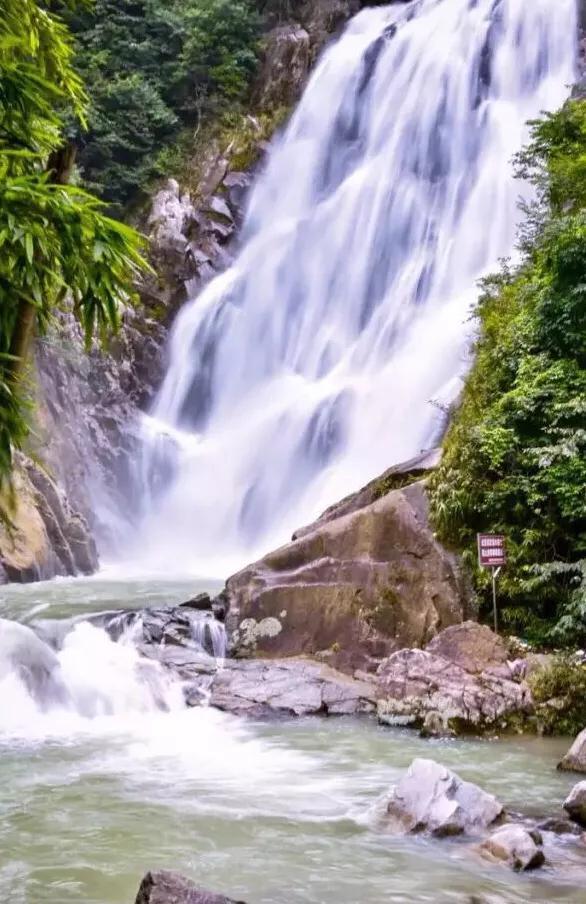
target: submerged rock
<point>558,826</point>
<point>518,847</point>
<point>469,687</point>
<point>575,804</point>
<point>361,585</point>
<point>575,758</point>
<point>431,798</point>
<point>165,887</point>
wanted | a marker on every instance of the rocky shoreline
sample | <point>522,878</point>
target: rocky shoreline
<point>463,682</point>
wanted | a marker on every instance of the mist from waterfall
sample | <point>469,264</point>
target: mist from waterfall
<point>328,350</point>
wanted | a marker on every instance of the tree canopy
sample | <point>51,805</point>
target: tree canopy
<point>155,68</point>
<point>57,245</point>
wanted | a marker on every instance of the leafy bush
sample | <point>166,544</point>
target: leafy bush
<point>559,693</point>
<point>515,456</point>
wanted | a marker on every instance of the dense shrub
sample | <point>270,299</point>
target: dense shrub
<point>515,456</point>
<point>559,693</point>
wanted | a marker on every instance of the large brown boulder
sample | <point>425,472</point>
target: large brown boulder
<point>359,586</point>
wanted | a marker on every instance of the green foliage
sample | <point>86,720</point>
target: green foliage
<point>155,68</point>
<point>555,159</point>
<point>220,45</point>
<point>559,692</point>
<point>515,456</point>
<point>55,240</point>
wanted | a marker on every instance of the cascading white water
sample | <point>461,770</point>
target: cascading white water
<point>313,363</point>
<point>89,678</point>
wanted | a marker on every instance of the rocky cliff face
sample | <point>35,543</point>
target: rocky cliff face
<point>46,536</point>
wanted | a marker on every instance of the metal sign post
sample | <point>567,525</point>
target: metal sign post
<point>492,554</point>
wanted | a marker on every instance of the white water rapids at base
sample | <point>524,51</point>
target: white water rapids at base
<point>91,677</point>
<point>326,352</point>
<point>93,796</point>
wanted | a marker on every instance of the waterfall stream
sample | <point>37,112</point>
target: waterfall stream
<point>329,350</point>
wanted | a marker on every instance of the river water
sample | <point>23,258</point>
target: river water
<point>272,812</point>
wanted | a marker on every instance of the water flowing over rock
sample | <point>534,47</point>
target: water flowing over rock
<point>86,675</point>
<point>454,691</point>
<point>173,626</point>
<point>312,363</point>
<point>25,655</point>
<point>431,798</point>
<point>575,758</point>
<point>165,887</point>
<point>515,845</point>
<point>359,586</point>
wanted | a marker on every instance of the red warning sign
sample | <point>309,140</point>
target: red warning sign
<point>492,550</point>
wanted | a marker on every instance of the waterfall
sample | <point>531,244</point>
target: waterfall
<point>329,349</point>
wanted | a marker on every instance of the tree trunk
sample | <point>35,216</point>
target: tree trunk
<point>61,162</point>
<point>22,337</point>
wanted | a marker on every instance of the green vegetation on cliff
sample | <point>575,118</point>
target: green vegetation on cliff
<point>515,455</point>
<point>156,68</point>
<point>56,244</point>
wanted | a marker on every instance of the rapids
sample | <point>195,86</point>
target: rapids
<point>330,348</point>
<point>96,789</point>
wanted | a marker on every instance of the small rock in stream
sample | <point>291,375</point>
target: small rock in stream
<point>559,826</point>
<point>165,887</point>
<point>575,758</point>
<point>519,848</point>
<point>575,804</point>
<point>432,798</point>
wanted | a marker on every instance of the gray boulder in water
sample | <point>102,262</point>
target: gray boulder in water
<point>23,652</point>
<point>165,887</point>
<point>518,847</point>
<point>575,804</point>
<point>575,758</point>
<point>431,798</point>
